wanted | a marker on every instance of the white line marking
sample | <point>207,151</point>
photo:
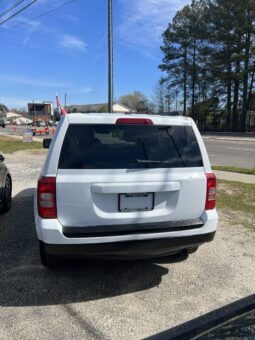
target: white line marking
<point>242,149</point>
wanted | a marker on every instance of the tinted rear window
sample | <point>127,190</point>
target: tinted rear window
<point>104,146</point>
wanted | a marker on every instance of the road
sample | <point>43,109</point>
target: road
<point>231,153</point>
<point>19,131</point>
<point>110,300</point>
<point>221,152</point>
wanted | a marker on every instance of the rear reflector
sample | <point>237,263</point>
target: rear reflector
<point>137,121</point>
<point>46,197</point>
<point>211,192</point>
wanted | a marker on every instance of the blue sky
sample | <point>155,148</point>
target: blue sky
<point>66,51</point>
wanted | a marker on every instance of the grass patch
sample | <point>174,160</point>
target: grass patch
<point>238,198</point>
<point>234,169</point>
<point>9,145</point>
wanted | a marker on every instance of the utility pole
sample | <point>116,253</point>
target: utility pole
<point>65,99</point>
<point>34,113</point>
<point>110,58</point>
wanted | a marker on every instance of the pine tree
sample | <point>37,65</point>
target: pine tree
<point>209,52</point>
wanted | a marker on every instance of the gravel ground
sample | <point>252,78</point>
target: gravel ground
<point>125,300</point>
<point>25,167</point>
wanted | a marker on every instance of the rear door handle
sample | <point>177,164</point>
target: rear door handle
<point>114,188</point>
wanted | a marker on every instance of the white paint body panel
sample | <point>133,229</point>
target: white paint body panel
<point>89,198</point>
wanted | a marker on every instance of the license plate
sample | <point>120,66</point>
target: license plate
<point>136,202</point>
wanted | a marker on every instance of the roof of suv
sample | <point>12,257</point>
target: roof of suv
<point>110,118</point>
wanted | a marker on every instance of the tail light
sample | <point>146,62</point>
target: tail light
<point>210,203</point>
<point>142,121</point>
<point>46,197</point>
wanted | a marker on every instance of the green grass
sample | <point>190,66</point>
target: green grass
<point>234,169</point>
<point>9,145</point>
<point>238,198</point>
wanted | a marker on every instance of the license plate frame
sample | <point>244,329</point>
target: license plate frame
<point>125,203</point>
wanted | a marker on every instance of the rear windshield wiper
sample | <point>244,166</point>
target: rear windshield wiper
<point>148,161</point>
<point>166,129</point>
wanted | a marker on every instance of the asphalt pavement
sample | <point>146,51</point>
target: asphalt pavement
<point>18,131</point>
<point>237,153</point>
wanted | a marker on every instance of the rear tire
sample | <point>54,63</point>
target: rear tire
<point>47,260</point>
<point>7,195</point>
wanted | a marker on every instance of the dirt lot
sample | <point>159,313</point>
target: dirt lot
<point>110,300</point>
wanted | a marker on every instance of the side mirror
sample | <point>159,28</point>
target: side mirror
<point>47,143</point>
<point>1,158</point>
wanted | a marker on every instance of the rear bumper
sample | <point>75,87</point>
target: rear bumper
<point>132,229</point>
<point>129,249</point>
<point>52,232</point>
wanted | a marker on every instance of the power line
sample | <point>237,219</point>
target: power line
<point>21,10</point>
<point>10,9</point>
<point>38,16</point>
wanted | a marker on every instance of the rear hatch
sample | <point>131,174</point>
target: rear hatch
<point>129,173</point>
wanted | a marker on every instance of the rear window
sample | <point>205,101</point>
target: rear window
<point>104,146</point>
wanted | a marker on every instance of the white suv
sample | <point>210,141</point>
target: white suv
<point>127,186</point>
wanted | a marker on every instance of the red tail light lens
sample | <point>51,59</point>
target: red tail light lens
<point>46,197</point>
<point>211,192</point>
<point>141,121</point>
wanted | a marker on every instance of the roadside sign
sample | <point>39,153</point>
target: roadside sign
<point>27,136</point>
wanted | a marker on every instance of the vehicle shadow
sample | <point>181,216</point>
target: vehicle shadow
<point>25,282</point>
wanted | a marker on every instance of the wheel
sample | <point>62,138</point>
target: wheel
<point>47,260</point>
<point>4,126</point>
<point>7,197</point>
<point>190,251</point>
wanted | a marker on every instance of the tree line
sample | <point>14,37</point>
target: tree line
<point>209,60</point>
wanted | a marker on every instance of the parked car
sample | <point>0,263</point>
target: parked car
<point>127,186</point>
<point>232,321</point>
<point>5,187</point>
<point>3,121</point>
